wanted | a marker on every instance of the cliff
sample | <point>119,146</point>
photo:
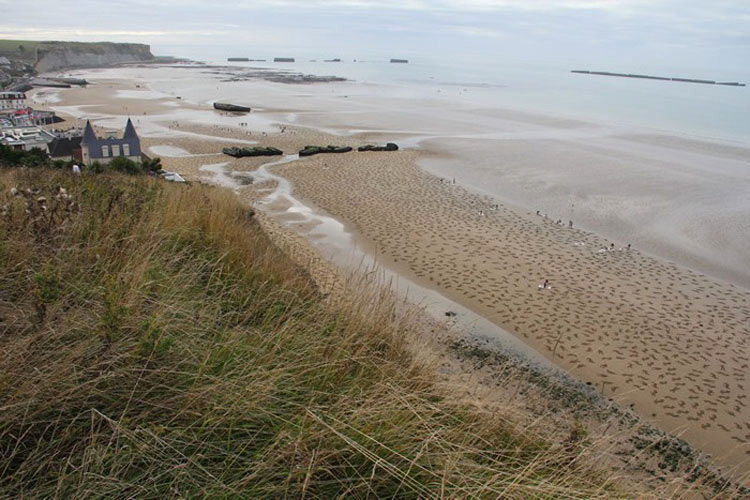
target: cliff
<point>51,56</point>
<point>76,55</point>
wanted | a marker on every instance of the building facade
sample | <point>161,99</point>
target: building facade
<point>12,100</point>
<point>27,117</point>
<point>26,138</point>
<point>105,150</point>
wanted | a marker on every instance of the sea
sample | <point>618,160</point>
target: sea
<point>713,112</point>
<point>661,165</point>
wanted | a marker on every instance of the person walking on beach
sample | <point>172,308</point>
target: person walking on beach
<point>76,169</point>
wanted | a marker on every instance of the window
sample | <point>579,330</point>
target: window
<point>126,149</point>
<point>105,151</point>
<point>115,150</point>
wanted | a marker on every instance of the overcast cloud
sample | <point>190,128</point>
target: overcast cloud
<point>631,34</point>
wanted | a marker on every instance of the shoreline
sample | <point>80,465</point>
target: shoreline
<point>362,162</point>
<point>724,276</point>
<point>666,230</point>
<point>478,349</point>
<point>654,402</point>
<point>656,234</point>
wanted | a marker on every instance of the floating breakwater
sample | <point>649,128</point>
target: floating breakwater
<point>650,77</point>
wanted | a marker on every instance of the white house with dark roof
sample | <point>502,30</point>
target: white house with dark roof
<point>104,150</point>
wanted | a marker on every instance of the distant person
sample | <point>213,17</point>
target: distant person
<point>570,224</point>
<point>76,169</point>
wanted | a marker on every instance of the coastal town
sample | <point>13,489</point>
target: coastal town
<point>297,197</point>
<point>25,126</point>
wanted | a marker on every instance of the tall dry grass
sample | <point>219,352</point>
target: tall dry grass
<point>153,343</point>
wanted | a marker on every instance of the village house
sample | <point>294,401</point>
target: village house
<point>66,149</point>
<point>105,150</point>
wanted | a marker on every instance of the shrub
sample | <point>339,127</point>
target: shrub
<point>10,157</point>
<point>152,165</point>
<point>97,167</point>
<point>125,165</point>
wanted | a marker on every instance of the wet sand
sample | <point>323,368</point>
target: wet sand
<point>683,200</point>
<point>668,340</point>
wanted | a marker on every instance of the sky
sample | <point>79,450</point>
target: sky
<point>628,35</point>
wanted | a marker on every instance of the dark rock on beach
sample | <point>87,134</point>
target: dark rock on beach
<point>313,150</point>
<point>231,107</point>
<point>254,151</point>
<point>388,147</point>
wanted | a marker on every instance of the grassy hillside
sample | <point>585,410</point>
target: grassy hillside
<point>51,55</point>
<point>18,49</point>
<point>153,343</point>
<point>24,49</point>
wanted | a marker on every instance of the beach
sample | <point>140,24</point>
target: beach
<point>668,340</point>
<point>661,325</point>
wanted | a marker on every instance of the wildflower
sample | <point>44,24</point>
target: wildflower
<point>14,192</point>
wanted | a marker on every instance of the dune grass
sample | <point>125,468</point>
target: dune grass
<point>154,343</point>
